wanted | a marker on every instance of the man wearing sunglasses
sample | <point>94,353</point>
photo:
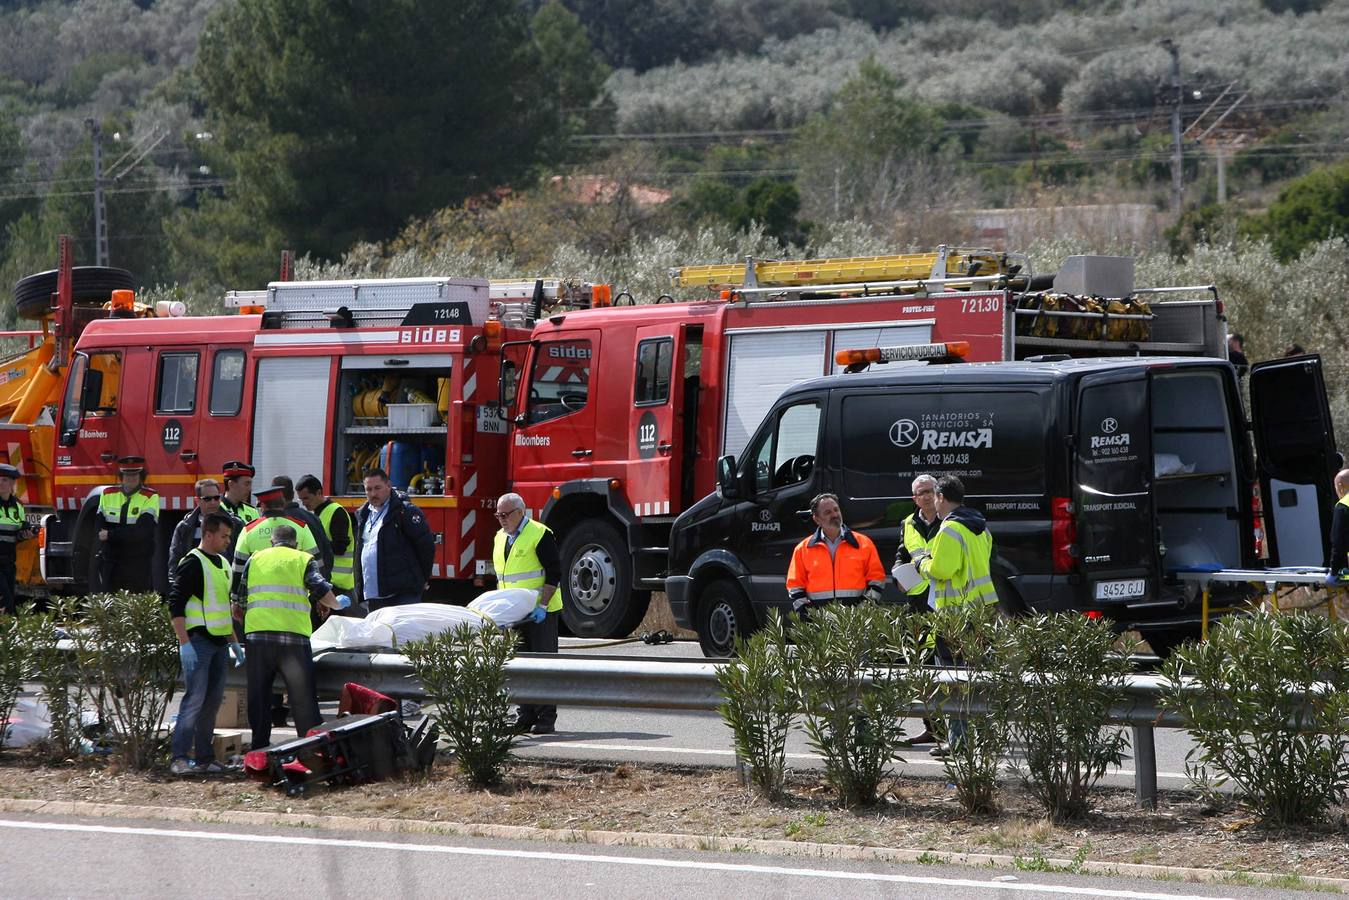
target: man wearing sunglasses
<point>187,533</point>
<point>525,556</point>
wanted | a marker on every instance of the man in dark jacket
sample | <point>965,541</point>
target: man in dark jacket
<point>296,511</point>
<point>187,533</point>
<point>394,546</point>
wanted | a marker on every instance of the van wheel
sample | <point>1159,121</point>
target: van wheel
<point>598,598</point>
<point>90,285</point>
<point>723,616</point>
<point>1010,603</point>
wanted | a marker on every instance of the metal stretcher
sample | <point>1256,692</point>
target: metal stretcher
<point>1270,579</point>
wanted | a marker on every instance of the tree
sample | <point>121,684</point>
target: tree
<point>573,68</point>
<point>875,151</point>
<point>344,119</point>
<point>1310,210</point>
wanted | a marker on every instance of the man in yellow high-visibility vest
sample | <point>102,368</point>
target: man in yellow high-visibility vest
<point>525,555</point>
<point>336,524</point>
<point>199,609</point>
<point>279,586</point>
<point>959,570</point>
<point>14,528</point>
<point>128,523</point>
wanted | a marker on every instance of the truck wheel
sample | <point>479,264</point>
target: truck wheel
<point>598,599</point>
<point>91,284</point>
<point>723,614</point>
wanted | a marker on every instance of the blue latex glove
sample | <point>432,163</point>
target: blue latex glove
<point>236,653</point>
<point>343,601</point>
<point>1337,579</point>
<point>538,614</point>
<point>187,655</point>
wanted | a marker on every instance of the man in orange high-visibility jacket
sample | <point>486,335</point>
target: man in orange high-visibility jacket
<point>834,563</point>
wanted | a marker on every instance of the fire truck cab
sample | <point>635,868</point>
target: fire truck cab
<point>328,378</point>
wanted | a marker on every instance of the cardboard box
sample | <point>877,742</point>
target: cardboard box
<point>227,744</point>
<point>233,710</point>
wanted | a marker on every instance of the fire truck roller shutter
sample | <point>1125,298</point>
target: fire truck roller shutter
<point>290,419</point>
<point>884,336</point>
<point>761,365</point>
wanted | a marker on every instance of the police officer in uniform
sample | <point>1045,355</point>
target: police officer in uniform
<point>279,586</point>
<point>239,491</point>
<point>336,524</point>
<point>525,555</point>
<point>14,527</point>
<point>128,517</point>
<point>257,534</point>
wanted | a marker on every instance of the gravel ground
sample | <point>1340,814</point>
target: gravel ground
<point>916,813</point>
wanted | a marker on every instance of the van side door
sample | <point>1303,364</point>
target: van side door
<point>782,470</point>
<point>1112,486</point>
<point>1295,452</point>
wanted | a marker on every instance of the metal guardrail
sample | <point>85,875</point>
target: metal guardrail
<point>629,683</point>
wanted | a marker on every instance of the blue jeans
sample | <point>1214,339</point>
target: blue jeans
<point>955,727</point>
<point>201,701</point>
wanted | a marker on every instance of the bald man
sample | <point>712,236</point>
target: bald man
<point>1339,526</point>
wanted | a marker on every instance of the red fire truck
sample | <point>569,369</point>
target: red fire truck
<point>622,412</point>
<point>326,378</point>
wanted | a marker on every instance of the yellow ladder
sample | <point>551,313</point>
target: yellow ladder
<point>941,263</point>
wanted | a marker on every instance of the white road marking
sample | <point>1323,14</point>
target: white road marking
<point>653,862</point>
<point>696,751</point>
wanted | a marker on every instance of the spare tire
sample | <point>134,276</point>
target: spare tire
<point>92,284</point>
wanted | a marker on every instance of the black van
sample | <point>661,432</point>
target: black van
<point>1100,478</point>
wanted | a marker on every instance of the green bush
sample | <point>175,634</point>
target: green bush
<point>760,705</point>
<point>126,652</point>
<point>1058,677</point>
<point>976,635</point>
<point>854,690</point>
<point>463,672</point>
<point>14,661</point>
<point>1266,699</point>
<point>63,693</point>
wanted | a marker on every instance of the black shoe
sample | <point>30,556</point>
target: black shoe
<point>941,751</point>
<point>523,726</point>
<point>543,728</point>
<point>926,737</point>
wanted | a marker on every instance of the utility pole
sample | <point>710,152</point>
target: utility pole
<point>1177,159</point>
<point>1220,153</point>
<point>100,206</point>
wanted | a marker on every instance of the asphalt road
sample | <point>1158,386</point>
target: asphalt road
<point>656,736</point>
<point>44,857</point>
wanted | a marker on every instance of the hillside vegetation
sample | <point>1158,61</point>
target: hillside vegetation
<point>609,139</point>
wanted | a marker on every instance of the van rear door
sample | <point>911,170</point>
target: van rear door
<point>1116,533</point>
<point>1295,450</point>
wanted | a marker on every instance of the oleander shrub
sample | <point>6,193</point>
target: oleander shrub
<point>760,706</point>
<point>463,672</point>
<point>126,654</point>
<point>854,689</point>
<point>54,669</point>
<point>975,635</point>
<point>14,662</point>
<point>1057,677</point>
<point>1266,700</point>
